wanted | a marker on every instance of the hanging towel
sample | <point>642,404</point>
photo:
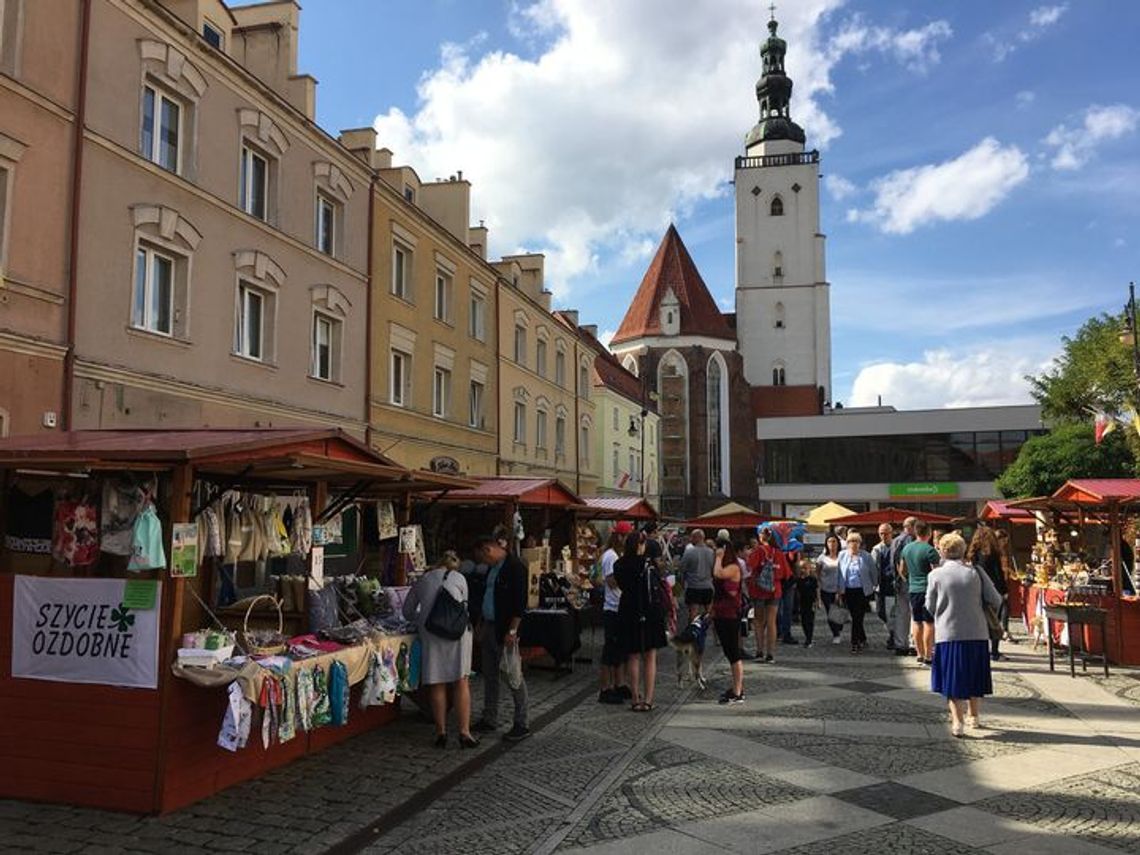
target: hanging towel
<point>147,552</point>
<point>75,534</point>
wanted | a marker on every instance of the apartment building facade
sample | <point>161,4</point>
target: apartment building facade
<point>39,58</point>
<point>629,430</point>
<point>222,243</point>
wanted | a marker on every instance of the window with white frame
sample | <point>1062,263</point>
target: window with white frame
<point>256,178</point>
<point>540,357</point>
<point>152,303</point>
<point>584,446</point>
<point>584,381</point>
<point>327,334</point>
<point>477,322</point>
<point>160,139</point>
<point>442,311</point>
<point>520,345</point>
<point>632,466</point>
<point>616,426</point>
<point>254,326</point>
<point>616,463</point>
<point>520,422</point>
<point>400,378</point>
<point>401,271</point>
<point>475,404</point>
<point>440,392</point>
<point>560,368</point>
<point>540,430</point>
<point>560,436</point>
<point>327,215</point>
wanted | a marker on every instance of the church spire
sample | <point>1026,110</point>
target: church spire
<point>774,92</point>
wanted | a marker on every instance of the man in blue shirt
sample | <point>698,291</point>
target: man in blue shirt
<point>504,601</point>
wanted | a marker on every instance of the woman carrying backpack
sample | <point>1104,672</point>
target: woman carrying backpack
<point>641,618</point>
<point>770,570</point>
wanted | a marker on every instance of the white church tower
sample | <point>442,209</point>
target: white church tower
<point>782,304</point>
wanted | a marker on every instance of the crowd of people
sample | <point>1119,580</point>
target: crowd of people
<point>941,601</point>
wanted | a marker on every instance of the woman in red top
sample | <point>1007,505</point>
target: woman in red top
<point>726,616</point>
<point>770,570</point>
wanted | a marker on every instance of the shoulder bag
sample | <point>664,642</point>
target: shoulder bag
<point>448,616</point>
<point>993,620</point>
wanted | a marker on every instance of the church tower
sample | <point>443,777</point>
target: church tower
<point>782,303</point>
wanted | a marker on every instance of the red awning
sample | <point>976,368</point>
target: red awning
<point>620,507</point>
<point>1098,491</point>
<point>729,521</point>
<point>888,515</point>
<point>530,492</point>
<point>996,509</point>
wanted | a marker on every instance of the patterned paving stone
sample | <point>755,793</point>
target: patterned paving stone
<point>885,756</point>
<point>894,839</point>
<point>896,800</point>
<point>1102,807</point>
<point>1124,686</point>
<point>570,777</point>
<point>509,839</point>
<point>863,708</point>
<point>864,687</point>
<point>670,785</point>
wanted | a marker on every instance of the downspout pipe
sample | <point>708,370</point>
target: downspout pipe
<point>369,325</point>
<point>67,419</point>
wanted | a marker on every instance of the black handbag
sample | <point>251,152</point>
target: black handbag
<point>448,617</point>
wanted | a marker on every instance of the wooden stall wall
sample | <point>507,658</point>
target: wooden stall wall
<point>71,743</point>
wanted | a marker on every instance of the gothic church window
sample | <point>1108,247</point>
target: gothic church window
<point>779,318</point>
<point>716,399</point>
<point>777,208</point>
<point>778,376</point>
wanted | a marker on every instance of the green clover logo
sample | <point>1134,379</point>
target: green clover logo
<point>122,617</point>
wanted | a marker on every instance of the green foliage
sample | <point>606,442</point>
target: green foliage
<point>1093,372</point>
<point>1069,451</point>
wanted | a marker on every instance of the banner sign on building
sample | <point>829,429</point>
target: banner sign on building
<point>929,490</point>
<point>81,631</point>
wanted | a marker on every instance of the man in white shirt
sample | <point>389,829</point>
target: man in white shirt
<point>613,683</point>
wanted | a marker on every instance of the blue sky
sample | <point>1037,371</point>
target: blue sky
<point>981,160</point>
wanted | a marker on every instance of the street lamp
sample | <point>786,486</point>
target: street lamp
<point>1127,334</point>
<point>637,426</point>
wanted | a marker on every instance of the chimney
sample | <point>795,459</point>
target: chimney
<point>592,329</point>
<point>265,41</point>
<point>361,143</point>
<point>571,315</point>
<point>477,240</point>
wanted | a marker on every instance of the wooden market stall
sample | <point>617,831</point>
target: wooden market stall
<point>1086,557</point>
<point>146,745</point>
<point>732,516</point>
<point>894,516</point>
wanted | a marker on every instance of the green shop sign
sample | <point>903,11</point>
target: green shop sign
<point>929,490</point>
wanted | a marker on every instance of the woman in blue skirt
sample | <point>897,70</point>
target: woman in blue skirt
<point>954,595</point>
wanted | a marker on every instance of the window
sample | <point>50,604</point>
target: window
<point>326,224</point>
<point>410,193</point>
<point>778,376</point>
<point>616,426</point>
<point>584,381</point>
<point>478,320</point>
<point>780,316</point>
<point>440,392</point>
<point>213,36</point>
<point>616,464</point>
<point>5,183</point>
<point>778,265</point>
<point>584,446</point>
<point>326,347</point>
<point>716,428</point>
<point>777,208</point>
<point>560,368</point>
<point>161,136</point>
<point>540,357</point>
<point>633,466</point>
<point>520,422</point>
<point>401,269</point>
<point>475,400</point>
<point>251,339</point>
<point>442,310</point>
<point>400,379</point>
<point>254,190</point>
<point>152,306</point>
<point>540,430</point>
<point>560,436</point>
<point>520,345</point>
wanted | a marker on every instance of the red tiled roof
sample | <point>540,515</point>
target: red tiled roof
<point>609,372</point>
<point>1092,490</point>
<point>888,515</point>
<point>522,491</point>
<point>996,509</point>
<point>628,507</point>
<point>673,267</point>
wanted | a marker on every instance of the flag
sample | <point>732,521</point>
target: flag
<point>1104,425</point>
<point>625,478</point>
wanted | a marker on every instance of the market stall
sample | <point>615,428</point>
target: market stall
<point>732,516</point>
<point>123,550</point>
<point>1083,562</point>
<point>894,516</point>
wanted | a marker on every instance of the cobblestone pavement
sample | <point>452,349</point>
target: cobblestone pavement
<point>830,754</point>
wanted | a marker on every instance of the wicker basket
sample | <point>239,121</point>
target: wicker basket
<point>261,646</point>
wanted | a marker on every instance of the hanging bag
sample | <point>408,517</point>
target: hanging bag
<point>838,615</point>
<point>993,620</point>
<point>448,617</point>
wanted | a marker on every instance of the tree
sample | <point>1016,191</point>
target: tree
<point>1094,372</point>
<point>1069,451</point>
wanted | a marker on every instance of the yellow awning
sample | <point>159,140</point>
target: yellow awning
<point>817,518</point>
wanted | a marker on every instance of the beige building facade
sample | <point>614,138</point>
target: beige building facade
<point>222,254</point>
<point>39,56</point>
<point>629,430</point>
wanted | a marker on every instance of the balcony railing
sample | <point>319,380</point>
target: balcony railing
<point>793,159</point>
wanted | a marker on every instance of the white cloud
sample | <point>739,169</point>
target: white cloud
<point>618,119</point>
<point>965,188</point>
<point>1040,20</point>
<point>1074,147</point>
<point>982,377</point>
<point>606,337</point>
<point>915,49</point>
<point>1025,98</point>
<point>839,187</point>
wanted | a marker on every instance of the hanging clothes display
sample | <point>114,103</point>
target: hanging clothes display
<point>75,533</point>
<point>29,521</point>
<point>236,722</point>
<point>338,693</point>
<point>147,551</point>
<point>321,714</point>
<point>122,504</point>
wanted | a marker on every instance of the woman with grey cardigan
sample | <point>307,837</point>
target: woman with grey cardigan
<point>955,595</point>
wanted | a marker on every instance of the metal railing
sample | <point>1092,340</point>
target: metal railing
<point>793,159</point>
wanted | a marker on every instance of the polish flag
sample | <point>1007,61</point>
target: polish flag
<point>625,478</point>
<point>1105,424</point>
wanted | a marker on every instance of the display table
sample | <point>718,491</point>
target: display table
<point>1083,616</point>
<point>555,630</point>
<point>1121,629</point>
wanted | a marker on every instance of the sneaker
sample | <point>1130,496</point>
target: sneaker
<point>808,644</point>
<point>483,726</point>
<point>835,639</point>
<point>769,659</point>
<point>736,699</point>
<point>517,734</point>
<point>725,697</point>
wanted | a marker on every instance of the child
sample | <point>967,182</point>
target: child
<point>807,586</point>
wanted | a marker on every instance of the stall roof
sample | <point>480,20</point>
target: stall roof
<point>888,515</point>
<point>730,515</point>
<point>996,509</point>
<point>1098,491</point>
<point>506,489</point>
<point>622,507</point>
<point>816,519</point>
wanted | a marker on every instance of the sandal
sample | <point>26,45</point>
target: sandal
<point>640,706</point>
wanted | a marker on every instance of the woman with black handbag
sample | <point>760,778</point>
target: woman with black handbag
<point>985,554</point>
<point>641,617</point>
<point>437,604</point>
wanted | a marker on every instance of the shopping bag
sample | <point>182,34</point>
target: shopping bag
<point>837,614</point>
<point>510,666</point>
